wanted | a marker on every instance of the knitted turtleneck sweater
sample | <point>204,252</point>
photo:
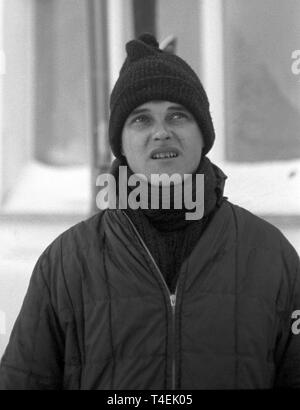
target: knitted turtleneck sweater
<point>168,235</point>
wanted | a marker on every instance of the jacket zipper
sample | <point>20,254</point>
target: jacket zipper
<point>172,298</point>
<point>173,305</point>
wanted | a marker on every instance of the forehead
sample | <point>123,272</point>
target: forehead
<point>158,106</point>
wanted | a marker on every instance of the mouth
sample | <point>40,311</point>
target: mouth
<point>164,153</point>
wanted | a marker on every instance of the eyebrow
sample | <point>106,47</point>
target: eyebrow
<point>139,111</point>
<point>177,107</point>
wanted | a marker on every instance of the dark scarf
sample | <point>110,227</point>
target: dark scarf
<point>166,232</point>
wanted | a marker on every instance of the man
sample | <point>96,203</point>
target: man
<point>147,298</point>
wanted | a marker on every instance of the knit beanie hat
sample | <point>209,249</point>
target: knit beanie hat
<point>151,74</point>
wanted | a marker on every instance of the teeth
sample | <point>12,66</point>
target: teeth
<point>164,155</point>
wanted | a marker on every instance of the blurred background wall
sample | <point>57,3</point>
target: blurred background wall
<point>263,99</point>
<point>59,60</point>
<point>60,100</point>
<point>17,91</point>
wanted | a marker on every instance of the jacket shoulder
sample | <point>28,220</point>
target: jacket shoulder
<point>256,232</point>
<point>78,236</point>
<point>61,259</point>
<point>53,302</point>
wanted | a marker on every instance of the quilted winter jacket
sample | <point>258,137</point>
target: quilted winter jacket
<point>98,313</point>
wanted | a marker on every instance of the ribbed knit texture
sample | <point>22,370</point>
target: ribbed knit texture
<point>150,74</point>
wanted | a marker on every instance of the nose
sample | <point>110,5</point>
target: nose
<point>161,133</point>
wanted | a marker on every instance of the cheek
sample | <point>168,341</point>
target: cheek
<point>193,155</point>
<point>194,145</point>
<point>133,151</point>
<point>131,144</point>
<point>197,143</point>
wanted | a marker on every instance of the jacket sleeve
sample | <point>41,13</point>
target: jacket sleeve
<point>288,370</point>
<point>33,359</point>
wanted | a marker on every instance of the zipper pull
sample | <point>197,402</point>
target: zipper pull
<point>173,300</point>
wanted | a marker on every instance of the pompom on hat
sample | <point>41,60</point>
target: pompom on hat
<point>151,74</point>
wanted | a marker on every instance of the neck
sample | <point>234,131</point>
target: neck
<point>173,218</point>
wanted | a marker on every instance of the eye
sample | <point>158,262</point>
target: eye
<point>178,115</point>
<point>141,119</point>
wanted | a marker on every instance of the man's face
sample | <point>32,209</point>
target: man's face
<point>162,137</point>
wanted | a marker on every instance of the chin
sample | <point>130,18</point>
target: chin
<point>166,169</point>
